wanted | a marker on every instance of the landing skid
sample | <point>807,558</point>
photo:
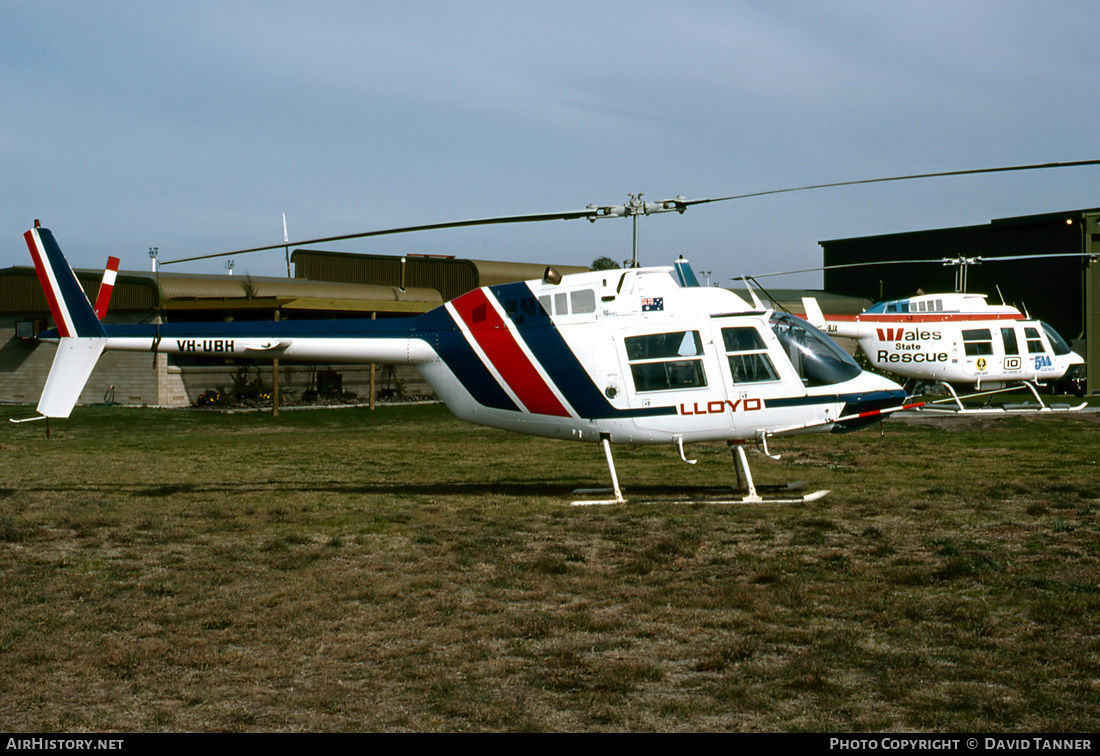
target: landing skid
<point>718,495</point>
<point>746,492</point>
<point>1007,409</point>
<point>770,494</point>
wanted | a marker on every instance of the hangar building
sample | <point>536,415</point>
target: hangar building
<point>327,285</point>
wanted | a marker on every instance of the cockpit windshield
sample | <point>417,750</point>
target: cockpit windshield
<point>817,359</point>
<point>1057,343</point>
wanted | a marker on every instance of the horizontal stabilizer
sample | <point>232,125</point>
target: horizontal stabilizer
<point>269,348</point>
<point>71,368</point>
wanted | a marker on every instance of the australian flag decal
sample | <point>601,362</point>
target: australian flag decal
<point>653,304</point>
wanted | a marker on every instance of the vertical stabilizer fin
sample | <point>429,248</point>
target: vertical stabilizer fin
<point>814,315</point>
<point>82,337</point>
<point>72,312</point>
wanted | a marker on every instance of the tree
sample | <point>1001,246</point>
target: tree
<point>603,263</point>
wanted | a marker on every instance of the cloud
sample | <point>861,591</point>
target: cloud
<point>193,127</point>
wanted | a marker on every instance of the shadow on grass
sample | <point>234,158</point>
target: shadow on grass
<point>518,489</point>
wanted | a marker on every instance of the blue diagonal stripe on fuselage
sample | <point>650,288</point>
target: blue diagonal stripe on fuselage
<point>438,329</point>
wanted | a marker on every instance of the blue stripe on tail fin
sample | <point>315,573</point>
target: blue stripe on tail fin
<point>72,312</point>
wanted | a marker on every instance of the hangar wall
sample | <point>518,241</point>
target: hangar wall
<point>1091,299</point>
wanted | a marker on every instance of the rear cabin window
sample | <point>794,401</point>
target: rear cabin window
<point>562,303</point>
<point>977,341</point>
<point>748,356</point>
<point>666,361</point>
<point>582,301</point>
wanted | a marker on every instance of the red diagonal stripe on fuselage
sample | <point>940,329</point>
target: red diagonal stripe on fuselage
<point>499,345</point>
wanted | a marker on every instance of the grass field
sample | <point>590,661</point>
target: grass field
<point>400,570</point>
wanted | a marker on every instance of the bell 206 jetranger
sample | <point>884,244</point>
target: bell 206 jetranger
<point>622,356</point>
<point>956,338</point>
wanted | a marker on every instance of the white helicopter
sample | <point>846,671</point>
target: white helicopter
<point>956,338</point>
<point>635,356</point>
<point>626,356</point>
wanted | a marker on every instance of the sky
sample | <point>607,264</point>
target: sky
<point>193,127</point>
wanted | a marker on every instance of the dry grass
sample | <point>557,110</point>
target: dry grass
<point>342,570</point>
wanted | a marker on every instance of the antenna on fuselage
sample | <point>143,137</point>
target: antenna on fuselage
<point>286,241</point>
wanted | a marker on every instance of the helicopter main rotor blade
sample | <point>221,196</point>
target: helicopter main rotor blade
<point>590,213</point>
<point>1002,169</point>
<point>633,208</point>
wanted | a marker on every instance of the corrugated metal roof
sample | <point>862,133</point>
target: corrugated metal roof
<point>21,292</point>
<point>175,287</point>
<point>492,272</point>
<point>450,276</point>
<point>135,290</point>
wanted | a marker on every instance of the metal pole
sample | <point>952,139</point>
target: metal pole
<point>634,264</point>
<point>275,380</point>
<point>372,317</point>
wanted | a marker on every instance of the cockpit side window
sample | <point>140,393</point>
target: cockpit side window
<point>817,359</point>
<point>1034,343</point>
<point>748,356</point>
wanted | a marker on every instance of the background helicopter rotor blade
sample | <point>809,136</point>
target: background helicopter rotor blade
<point>930,261</point>
<point>633,208</point>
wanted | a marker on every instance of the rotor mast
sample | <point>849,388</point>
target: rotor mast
<point>961,262</point>
<point>635,207</point>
